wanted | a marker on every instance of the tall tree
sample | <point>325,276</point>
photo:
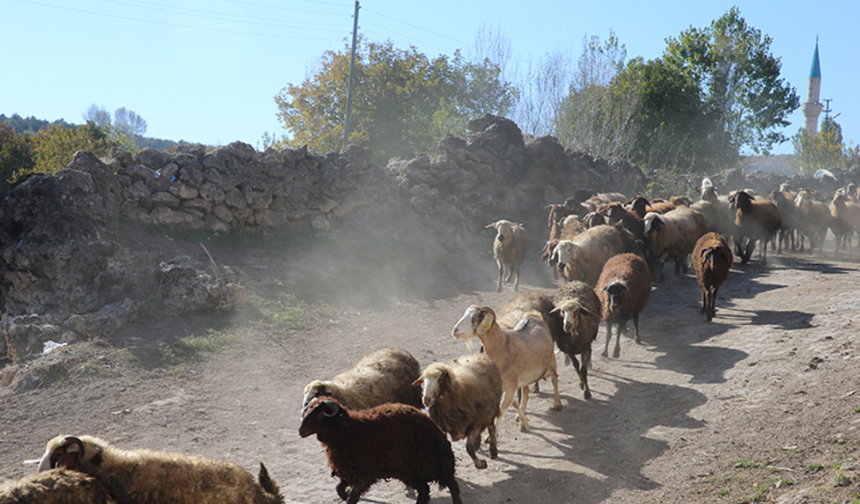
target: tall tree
<point>740,80</point>
<point>128,123</point>
<point>824,149</point>
<point>99,115</point>
<point>402,99</point>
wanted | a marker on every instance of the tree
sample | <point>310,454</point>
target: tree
<point>98,115</point>
<point>402,100</point>
<point>16,154</point>
<point>824,149</point>
<point>128,123</point>
<point>54,146</point>
<point>740,81</point>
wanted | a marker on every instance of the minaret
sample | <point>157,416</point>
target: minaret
<point>812,107</point>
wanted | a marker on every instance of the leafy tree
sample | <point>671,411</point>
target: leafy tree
<point>54,146</point>
<point>16,154</point>
<point>824,149</point>
<point>740,82</point>
<point>98,115</point>
<point>128,123</point>
<point>29,124</point>
<point>402,100</point>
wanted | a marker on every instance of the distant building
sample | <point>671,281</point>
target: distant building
<point>812,108</point>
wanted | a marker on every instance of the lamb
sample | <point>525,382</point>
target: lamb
<point>583,257</point>
<point>463,398</point>
<point>757,220</point>
<point>523,354</point>
<point>672,234</point>
<point>845,221</point>
<point>389,441</point>
<point>624,288</point>
<point>57,486</point>
<point>155,477</point>
<point>509,250</point>
<point>813,219</point>
<point>580,309</point>
<point>382,376</point>
<point>712,260</point>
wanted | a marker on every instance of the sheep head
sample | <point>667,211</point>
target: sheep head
<point>316,389</point>
<point>564,252</point>
<point>475,322</point>
<point>652,223</point>
<point>434,382</point>
<point>713,253</point>
<point>571,311</point>
<point>62,451</point>
<point>741,200</point>
<point>616,293</point>
<point>321,415</point>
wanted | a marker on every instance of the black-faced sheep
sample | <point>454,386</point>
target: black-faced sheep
<point>156,477</point>
<point>624,288</point>
<point>582,258</point>
<point>813,219</point>
<point>757,220</point>
<point>672,234</point>
<point>389,441</point>
<point>463,398</point>
<point>382,376</point>
<point>845,219</point>
<point>523,354</point>
<point>509,250</point>
<point>580,309</point>
<point>712,260</point>
<point>57,486</point>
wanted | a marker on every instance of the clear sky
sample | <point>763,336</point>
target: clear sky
<point>208,70</point>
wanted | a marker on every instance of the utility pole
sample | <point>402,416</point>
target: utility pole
<point>351,71</point>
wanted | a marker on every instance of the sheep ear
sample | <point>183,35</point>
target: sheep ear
<point>485,324</point>
<point>604,288</point>
<point>417,382</point>
<point>555,310</point>
<point>491,225</point>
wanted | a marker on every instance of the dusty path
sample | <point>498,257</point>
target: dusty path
<point>761,404</point>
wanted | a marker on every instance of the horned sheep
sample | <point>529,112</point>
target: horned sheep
<point>580,310</point>
<point>154,477</point>
<point>382,376</point>
<point>56,486</point>
<point>509,250</point>
<point>463,398</point>
<point>523,354</point>
<point>712,260</point>
<point>672,234</point>
<point>583,257</point>
<point>624,288</point>
<point>389,441</point>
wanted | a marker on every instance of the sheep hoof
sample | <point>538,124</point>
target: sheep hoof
<point>556,407</point>
<point>480,464</point>
<point>494,452</point>
<point>524,427</point>
<point>587,394</point>
<point>617,352</point>
<point>604,354</point>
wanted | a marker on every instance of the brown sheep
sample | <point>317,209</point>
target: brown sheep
<point>509,250</point>
<point>757,220</point>
<point>784,202</point>
<point>57,486</point>
<point>382,376</point>
<point>463,398</point>
<point>623,288</point>
<point>712,260</point>
<point>813,219</point>
<point>156,477</point>
<point>672,234</point>
<point>580,309</point>
<point>524,354</point>
<point>389,441</point>
<point>641,206</point>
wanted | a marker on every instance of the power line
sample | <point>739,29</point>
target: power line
<point>418,27</point>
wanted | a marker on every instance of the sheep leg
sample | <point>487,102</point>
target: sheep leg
<point>355,494</point>
<point>704,308</point>
<point>501,275</point>
<point>608,339</point>
<point>492,439</point>
<point>516,277</point>
<point>622,327</point>
<point>454,488</point>
<point>712,302</point>
<point>763,252</point>
<point>636,326</point>
<point>473,442</point>
<point>423,491</point>
<point>525,398</point>
<point>507,401</point>
<point>343,490</point>
<point>556,406</point>
<point>583,373</point>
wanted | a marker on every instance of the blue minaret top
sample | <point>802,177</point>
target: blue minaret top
<point>815,72</point>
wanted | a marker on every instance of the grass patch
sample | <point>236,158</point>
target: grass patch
<point>277,239</point>
<point>745,464</point>
<point>722,492</point>
<point>814,467</point>
<point>186,350</point>
<point>285,310</point>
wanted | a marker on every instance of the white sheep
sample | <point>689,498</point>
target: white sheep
<point>582,258</point>
<point>509,250</point>
<point>463,398</point>
<point>155,477</point>
<point>57,486</point>
<point>523,354</point>
<point>382,376</point>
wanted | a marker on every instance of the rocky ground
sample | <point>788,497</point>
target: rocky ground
<point>761,405</point>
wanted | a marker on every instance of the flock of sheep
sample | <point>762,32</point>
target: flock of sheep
<point>388,419</point>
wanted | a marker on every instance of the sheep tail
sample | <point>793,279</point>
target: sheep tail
<point>268,483</point>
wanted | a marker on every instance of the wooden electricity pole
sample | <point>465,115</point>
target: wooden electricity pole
<point>351,71</point>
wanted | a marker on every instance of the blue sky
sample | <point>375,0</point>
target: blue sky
<point>208,71</point>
